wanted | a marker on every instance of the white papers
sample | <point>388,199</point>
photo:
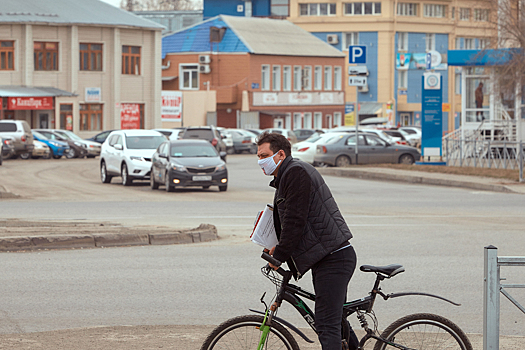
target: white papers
<point>263,232</point>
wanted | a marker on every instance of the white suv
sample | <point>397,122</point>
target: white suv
<point>127,153</point>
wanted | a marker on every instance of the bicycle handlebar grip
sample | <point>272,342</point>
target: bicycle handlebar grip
<point>271,259</point>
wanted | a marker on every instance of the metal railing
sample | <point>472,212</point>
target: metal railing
<point>484,154</point>
<point>491,294</point>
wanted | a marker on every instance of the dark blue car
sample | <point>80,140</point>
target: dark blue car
<point>57,148</point>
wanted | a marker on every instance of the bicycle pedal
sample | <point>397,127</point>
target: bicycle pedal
<point>344,345</point>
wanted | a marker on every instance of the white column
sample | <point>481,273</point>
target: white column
<point>155,120</point>
<point>113,110</point>
<point>75,67</point>
<point>27,56</point>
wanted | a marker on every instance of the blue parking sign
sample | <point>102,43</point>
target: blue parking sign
<point>357,54</point>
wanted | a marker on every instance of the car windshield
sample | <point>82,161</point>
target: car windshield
<point>71,135</point>
<point>181,151</point>
<point>144,142</point>
<point>39,135</point>
<point>409,131</point>
<point>203,134</point>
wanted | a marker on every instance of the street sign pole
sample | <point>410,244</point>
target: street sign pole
<point>357,54</point>
<point>356,127</point>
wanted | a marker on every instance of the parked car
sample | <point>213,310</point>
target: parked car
<point>171,134</point>
<point>93,148</point>
<point>77,149</point>
<point>227,138</point>
<point>378,132</point>
<point>184,163</point>
<point>57,148</point>
<point>208,133</point>
<point>257,132</point>
<point>289,134</point>
<point>303,134</point>
<point>20,134</point>
<point>243,141</point>
<point>100,137</point>
<point>306,150</point>
<point>340,151</point>
<point>1,151</point>
<point>7,147</point>
<point>397,136</point>
<point>413,135</point>
<point>41,150</point>
<point>127,153</point>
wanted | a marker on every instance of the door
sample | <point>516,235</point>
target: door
<point>43,120</point>
<point>278,123</point>
<point>113,154</point>
<point>378,151</point>
<point>362,149</point>
<point>406,119</point>
<point>163,162</point>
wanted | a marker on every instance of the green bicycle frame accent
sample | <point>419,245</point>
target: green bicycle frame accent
<point>265,329</point>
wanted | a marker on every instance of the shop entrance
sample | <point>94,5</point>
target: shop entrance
<point>43,120</point>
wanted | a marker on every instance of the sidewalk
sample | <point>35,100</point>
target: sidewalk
<point>421,177</point>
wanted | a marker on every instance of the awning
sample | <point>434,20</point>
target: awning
<point>274,113</point>
<point>370,108</point>
<point>169,78</point>
<point>26,91</point>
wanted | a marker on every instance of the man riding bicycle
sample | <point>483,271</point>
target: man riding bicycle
<point>312,233</point>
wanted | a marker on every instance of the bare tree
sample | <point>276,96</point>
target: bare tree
<point>159,5</point>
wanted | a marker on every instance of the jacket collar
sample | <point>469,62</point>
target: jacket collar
<point>275,182</point>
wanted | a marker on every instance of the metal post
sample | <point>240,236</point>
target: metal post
<point>491,300</point>
<point>489,153</point>
<point>446,150</point>
<point>475,153</point>
<point>461,151</point>
<point>357,126</point>
<point>520,158</point>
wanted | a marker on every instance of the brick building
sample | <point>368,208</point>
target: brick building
<point>265,72</point>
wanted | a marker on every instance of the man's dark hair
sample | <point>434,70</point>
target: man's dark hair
<point>277,142</point>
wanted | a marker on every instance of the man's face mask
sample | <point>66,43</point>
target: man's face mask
<point>268,165</point>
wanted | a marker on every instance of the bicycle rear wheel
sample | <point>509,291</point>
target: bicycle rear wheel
<point>242,333</point>
<point>424,331</point>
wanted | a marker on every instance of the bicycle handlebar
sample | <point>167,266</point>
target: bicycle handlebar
<point>277,263</point>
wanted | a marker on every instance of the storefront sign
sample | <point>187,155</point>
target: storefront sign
<point>30,103</point>
<point>300,98</point>
<point>171,108</point>
<point>93,94</point>
<point>130,116</point>
<point>269,98</point>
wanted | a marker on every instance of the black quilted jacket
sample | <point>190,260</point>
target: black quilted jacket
<point>308,222</point>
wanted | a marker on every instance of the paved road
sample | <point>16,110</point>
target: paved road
<point>437,233</point>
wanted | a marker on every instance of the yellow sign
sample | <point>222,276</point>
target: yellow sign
<point>445,107</point>
<point>350,118</point>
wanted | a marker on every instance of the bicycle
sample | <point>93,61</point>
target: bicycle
<point>267,331</point>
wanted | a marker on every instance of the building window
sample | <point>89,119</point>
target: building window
<point>66,116</point>
<point>338,78</point>
<point>481,15</point>
<point>131,60</point>
<point>91,57</point>
<point>350,39</point>
<point>402,41</point>
<point>430,40</point>
<point>433,10</point>
<point>453,13</point>
<point>323,9</point>
<point>297,78</point>
<point>189,77</point>
<point>307,78</point>
<point>402,77</point>
<point>328,77</point>
<point>362,8</point>
<point>265,77</point>
<point>7,55</point>
<point>297,121</point>
<point>46,55</point>
<point>308,120</point>
<point>276,78</point>
<point>287,78</point>
<point>407,9</point>
<point>279,8</point>
<point>470,44</point>
<point>318,78</point>
<point>457,83</point>
<point>337,119</point>
<point>90,117</point>
<point>464,14</point>
<point>318,120</point>
<point>484,44</point>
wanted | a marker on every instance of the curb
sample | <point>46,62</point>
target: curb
<point>371,175</point>
<point>203,233</point>
<point>4,193</point>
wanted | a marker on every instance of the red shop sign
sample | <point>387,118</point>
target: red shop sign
<point>129,116</point>
<point>30,103</point>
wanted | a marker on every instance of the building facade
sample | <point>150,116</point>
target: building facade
<point>84,66</point>
<point>172,20</point>
<point>265,72</point>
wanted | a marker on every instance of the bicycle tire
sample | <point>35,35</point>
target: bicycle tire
<point>424,331</point>
<point>242,333</point>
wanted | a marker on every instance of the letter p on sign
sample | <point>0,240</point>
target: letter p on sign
<point>357,54</point>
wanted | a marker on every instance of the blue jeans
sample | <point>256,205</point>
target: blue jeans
<point>330,278</point>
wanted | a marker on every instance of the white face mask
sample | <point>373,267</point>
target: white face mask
<point>268,165</point>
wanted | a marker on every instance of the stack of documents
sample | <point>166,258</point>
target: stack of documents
<point>263,232</point>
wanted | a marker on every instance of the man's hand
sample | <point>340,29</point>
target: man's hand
<point>271,253</point>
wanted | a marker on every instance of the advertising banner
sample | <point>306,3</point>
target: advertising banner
<point>349,114</point>
<point>171,108</point>
<point>403,61</point>
<point>130,116</point>
<point>32,103</point>
<point>432,114</point>
<point>93,94</point>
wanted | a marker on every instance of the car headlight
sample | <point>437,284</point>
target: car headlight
<point>178,167</point>
<point>220,167</point>
<point>140,159</point>
<point>54,143</point>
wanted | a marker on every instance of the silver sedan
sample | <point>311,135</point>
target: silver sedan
<point>340,151</point>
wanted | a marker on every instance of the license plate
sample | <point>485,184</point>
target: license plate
<point>201,178</point>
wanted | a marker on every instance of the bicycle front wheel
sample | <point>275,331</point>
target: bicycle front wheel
<point>242,333</point>
<point>424,331</point>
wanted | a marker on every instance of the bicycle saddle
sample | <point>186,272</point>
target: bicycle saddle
<point>389,270</point>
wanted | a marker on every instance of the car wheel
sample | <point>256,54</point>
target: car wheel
<point>169,187</point>
<point>25,155</point>
<point>343,162</point>
<point>104,177</point>
<point>406,159</point>
<point>71,153</point>
<point>223,188</point>
<point>153,184</point>
<point>205,187</point>
<point>126,179</point>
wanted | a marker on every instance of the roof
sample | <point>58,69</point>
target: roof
<point>89,12</point>
<point>262,36</point>
<point>26,91</point>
